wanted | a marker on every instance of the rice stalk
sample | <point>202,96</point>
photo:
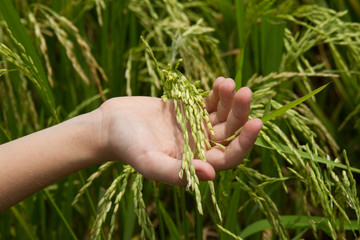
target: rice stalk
<point>189,35</point>
<point>63,38</point>
<point>316,185</point>
<point>147,229</point>
<point>190,109</point>
<point>43,47</point>
<point>69,37</point>
<point>352,114</point>
<point>19,38</point>
<point>22,63</point>
<point>106,203</point>
<point>100,6</point>
<point>16,59</point>
<point>7,90</point>
<point>86,103</point>
<point>128,74</point>
<point>248,182</point>
<point>274,79</point>
<point>91,179</point>
<point>118,198</point>
<point>324,26</point>
<point>228,232</point>
<point>301,117</point>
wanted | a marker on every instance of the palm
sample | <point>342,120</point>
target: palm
<point>145,133</point>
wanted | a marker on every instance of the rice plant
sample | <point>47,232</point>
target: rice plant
<point>59,59</point>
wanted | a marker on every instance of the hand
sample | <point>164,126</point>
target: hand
<point>143,132</point>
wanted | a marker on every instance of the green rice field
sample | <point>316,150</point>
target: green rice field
<point>300,58</point>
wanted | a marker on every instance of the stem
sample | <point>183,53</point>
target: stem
<point>52,202</point>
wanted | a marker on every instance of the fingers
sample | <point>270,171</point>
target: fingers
<point>163,168</point>
<point>212,99</point>
<point>237,117</point>
<point>237,150</point>
<point>226,93</point>
<point>218,102</point>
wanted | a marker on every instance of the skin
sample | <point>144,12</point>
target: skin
<point>140,131</point>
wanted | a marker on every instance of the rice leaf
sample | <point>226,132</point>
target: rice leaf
<point>174,233</point>
<point>240,19</point>
<point>292,104</point>
<point>283,148</point>
<point>271,45</point>
<point>294,222</point>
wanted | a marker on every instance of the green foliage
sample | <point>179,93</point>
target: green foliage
<point>57,57</point>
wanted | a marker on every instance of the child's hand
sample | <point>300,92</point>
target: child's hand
<point>143,132</point>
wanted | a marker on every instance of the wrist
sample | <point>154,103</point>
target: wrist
<point>81,137</point>
<point>105,125</point>
<point>86,137</point>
